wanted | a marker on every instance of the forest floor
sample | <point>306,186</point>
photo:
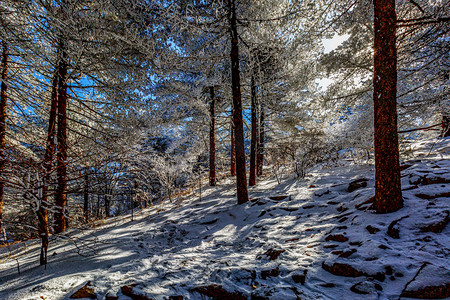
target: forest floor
<point>301,239</point>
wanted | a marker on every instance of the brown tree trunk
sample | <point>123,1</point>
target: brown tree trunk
<point>241,177</point>
<point>232,150</point>
<point>254,135</point>
<point>212,139</point>
<point>61,163</point>
<point>388,193</point>
<point>48,159</point>
<point>260,148</point>
<point>107,200</point>
<point>86,198</point>
<point>3,102</point>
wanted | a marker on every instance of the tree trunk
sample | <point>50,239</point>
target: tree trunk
<point>241,177</point>
<point>260,148</point>
<point>86,198</point>
<point>254,135</point>
<point>3,102</point>
<point>212,140</point>
<point>107,200</point>
<point>233,150</point>
<point>388,193</point>
<point>48,159</point>
<point>98,206</point>
<point>61,190</point>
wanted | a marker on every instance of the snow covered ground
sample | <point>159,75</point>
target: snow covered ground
<point>269,248</point>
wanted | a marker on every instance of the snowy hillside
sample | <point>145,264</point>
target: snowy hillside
<point>302,239</point>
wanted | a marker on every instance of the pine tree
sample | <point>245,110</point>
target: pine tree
<point>388,193</point>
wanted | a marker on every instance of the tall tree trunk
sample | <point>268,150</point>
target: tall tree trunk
<point>260,149</point>
<point>48,163</point>
<point>61,190</point>
<point>241,177</point>
<point>388,193</point>
<point>86,198</point>
<point>212,139</point>
<point>107,200</point>
<point>232,150</point>
<point>3,102</point>
<point>254,135</point>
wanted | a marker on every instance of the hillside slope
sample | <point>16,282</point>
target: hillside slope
<point>318,242</point>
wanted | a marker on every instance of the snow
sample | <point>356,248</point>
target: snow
<point>173,247</point>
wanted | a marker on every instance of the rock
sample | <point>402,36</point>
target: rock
<point>342,208</point>
<point>322,192</point>
<point>327,285</point>
<point>404,167</point>
<point>371,229</point>
<point>356,243</point>
<point>307,206</point>
<point>343,219</point>
<point>389,270</point>
<point>111,296</point>
<point>356,184</point>
<point>393,230</point>
<point>176,297</point>
<point>273,254</point>
<point>343,253</point>
<point>281,197</point>
<point>366,287</point>
<point>270,273</point>
<point>384,247</point>
<point>416,179</point>
<point>431,282</point>
<point>341,269</point>
<point>438,225</point>
<point>368,204</point>
<point>331,246</point>
<point>217,292</point>
<point>290,209</point>
<point>300,278</point>
<point>292,240</point>
<point>336,238</point>
<point>85,292</point>
<point>134,293</point>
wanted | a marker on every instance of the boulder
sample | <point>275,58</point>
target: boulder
<point>366,287</point>
<point>217,292</point>
<point>431,282</point>
<point>134,293</point>
<point>371,229</point>
<point>300,278</point>
<point>85,292</point>
<point>356,184</point>
<point>336,238</point>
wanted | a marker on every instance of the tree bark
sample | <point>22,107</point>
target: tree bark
<point>260,148</point>
<point>3,103</point>
<point>48,161</point>
<point>241,177</point>
<point>254,134</point>
<point>86,198</point>
<point>61,168</point>
<point>233,149</point>
<point>388,193</point>
<point>212,139</point>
